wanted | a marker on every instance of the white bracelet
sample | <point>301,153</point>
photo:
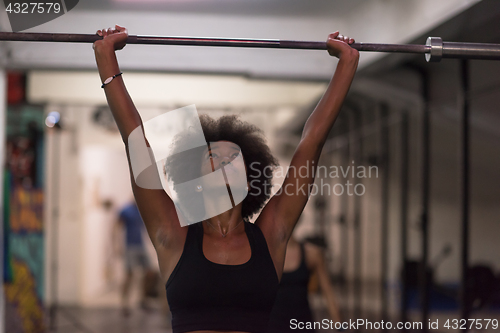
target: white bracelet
<point>109,79</point>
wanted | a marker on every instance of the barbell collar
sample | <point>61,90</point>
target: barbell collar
<point>436,52</point>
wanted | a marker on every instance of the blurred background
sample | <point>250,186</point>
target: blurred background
<point>415,237</point>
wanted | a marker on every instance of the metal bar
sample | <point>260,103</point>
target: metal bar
<point>449,49</point>
<point>344,208</point>
<point>393,48</point>
<point>358,239</point>
<point>471,51</point>
<point>405,154</point>
<point>384,211</point>
<point>464,299</point>
<point>227,42</point>
<point>350,223</point>
<point>426,168</point>
<point>200,41</point>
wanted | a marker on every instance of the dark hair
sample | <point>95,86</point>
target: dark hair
<point>257,156</point>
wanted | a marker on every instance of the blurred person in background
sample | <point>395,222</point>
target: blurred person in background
<point>304,267</point>
<point>135,255</point>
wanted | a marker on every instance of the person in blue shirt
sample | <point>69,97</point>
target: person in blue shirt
<point>134,252</point>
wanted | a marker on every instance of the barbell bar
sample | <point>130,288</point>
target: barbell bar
<point>434,49</point>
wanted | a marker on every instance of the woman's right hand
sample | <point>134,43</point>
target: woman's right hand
<point>116,38</point>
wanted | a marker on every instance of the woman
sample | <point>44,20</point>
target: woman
<point>223,274</point>
<point>291,311</point>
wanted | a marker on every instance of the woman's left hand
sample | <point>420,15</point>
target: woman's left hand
<point>339,46</point>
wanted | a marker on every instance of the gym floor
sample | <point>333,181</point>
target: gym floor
<point>110,320</point>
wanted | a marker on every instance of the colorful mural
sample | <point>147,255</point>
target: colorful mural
<point>23,226</point>
<point>24,258</point>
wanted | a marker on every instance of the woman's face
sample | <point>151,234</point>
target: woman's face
<point>227,156</point>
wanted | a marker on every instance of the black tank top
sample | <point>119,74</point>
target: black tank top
<point>292,301</point>
<point>204,295</point>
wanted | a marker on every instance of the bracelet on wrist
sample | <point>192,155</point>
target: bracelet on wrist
<point>109,79</point>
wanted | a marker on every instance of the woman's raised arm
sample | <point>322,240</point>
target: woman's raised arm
<point>156,207</point>
<point>283,210</point>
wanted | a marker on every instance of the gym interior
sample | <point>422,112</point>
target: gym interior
<point>405,204</point>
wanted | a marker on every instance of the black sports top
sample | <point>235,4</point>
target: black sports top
<point>204,295</point>
<point>291,301</point>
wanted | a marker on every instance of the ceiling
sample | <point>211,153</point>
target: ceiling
<point>373,21</point>
<point>324,8</point>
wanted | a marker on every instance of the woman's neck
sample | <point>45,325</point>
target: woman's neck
<point>224,223</point>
